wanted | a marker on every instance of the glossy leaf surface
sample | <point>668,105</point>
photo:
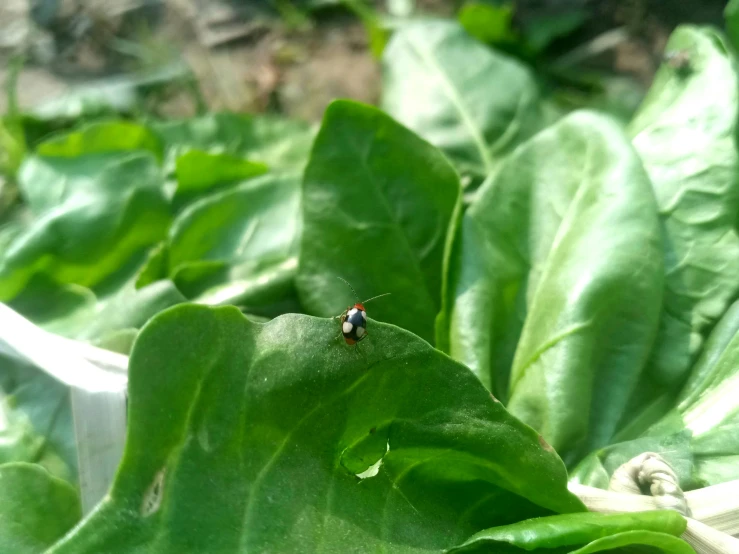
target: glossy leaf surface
<point>36,509</point>
<point>95,213</point>
<point>685,133</point>
<point>555,280</point>
<point>199,172</point>
<point>247,437</point>
<point>238,246</point>
<point>279,143</point>
<point>36,420</point>
<point>698,437</point>
<point>657,528</point>
<point>473,103</point>
<point>377,204</point>
<point>98,138</point>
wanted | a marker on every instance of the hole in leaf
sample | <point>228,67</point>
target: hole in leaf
<point>374,469</point>
<point>153,497</point>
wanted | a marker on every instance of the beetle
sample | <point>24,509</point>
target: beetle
<point>354,319</point>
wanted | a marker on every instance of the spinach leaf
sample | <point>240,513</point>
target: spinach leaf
<point>238,246</point>
<point>592,532</point>
<point>36,509</point>
<point>698,437</point>
<point>95,214</point>
<point>555,280</point>
<point>280,143</point>
<point>101,137</point>
<point>198,172</point>
<point>36,420</point>
<point>675,448</point>
<point>473,103</point>
<point>685,133</point>
<point>377,204</point>
<point>276,437</point>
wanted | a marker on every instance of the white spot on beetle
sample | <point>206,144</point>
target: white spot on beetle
<point>364,314</point>
<point>347,327</point>
<point>360,331</point>
<point>351,312</point>
<point>153,497</point>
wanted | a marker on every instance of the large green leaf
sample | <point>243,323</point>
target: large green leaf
<point>685,133</point>
<point>699,436</point>
<point>199,172</point>
<point>36,509</point>
<point>77,312</point>
<point>280,143</point>
<point>95,214</point>
<point>238,246</point>
<point>276,437</point>
<point>36,420</point>
<point>707,373</point>
<point>598,467</point>
<point>713,419</point>
<point>105,136</point>
<point>731,15</point>
<point>472,102</point>
<point>570,531</point>
<point>377,204</point>
<point>562,249</point>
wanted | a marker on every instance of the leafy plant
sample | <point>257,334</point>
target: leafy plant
<point>276,440</point>
<point>563,295</point>
<point>552,321</point>
<point>586,533</point>
<point>437,83</point>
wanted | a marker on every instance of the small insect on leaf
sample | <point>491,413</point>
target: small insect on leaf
<point>354,319</point>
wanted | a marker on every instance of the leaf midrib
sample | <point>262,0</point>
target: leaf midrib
<point>456,100</point>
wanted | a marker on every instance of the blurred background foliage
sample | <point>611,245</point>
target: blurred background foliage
<point>152,86</point>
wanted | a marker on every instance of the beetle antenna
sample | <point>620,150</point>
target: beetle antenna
<point>378,296</point>
<point>356,296</point>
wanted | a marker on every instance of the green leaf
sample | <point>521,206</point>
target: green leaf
<point>12,145</point>
<point>707,373</point>
<point>685,134</point>
<point>36,420</point>
<point>377,204</point>
<point>36,509</point>
<point>713,418</point>
<point>731,15</point>
<point>130,308</point>
<point>280,143</point>
<point>257,437</point>
<point>492,24</point>
<point>96,213</point>
<point>573,530</point>
<point>543,30</point>
<point>198,172</point>
<point>245,237</point>
<point>97,138</point>
<point>76,312</point>
<point>155,266</point>
<point>661,541</point>
<point>377,33</point>
<point>698,436</point>
<point>472,102</point>
<point>555,279</point>
<point>598,467</point>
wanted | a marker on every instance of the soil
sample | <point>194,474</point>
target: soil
<point>247,58</point>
